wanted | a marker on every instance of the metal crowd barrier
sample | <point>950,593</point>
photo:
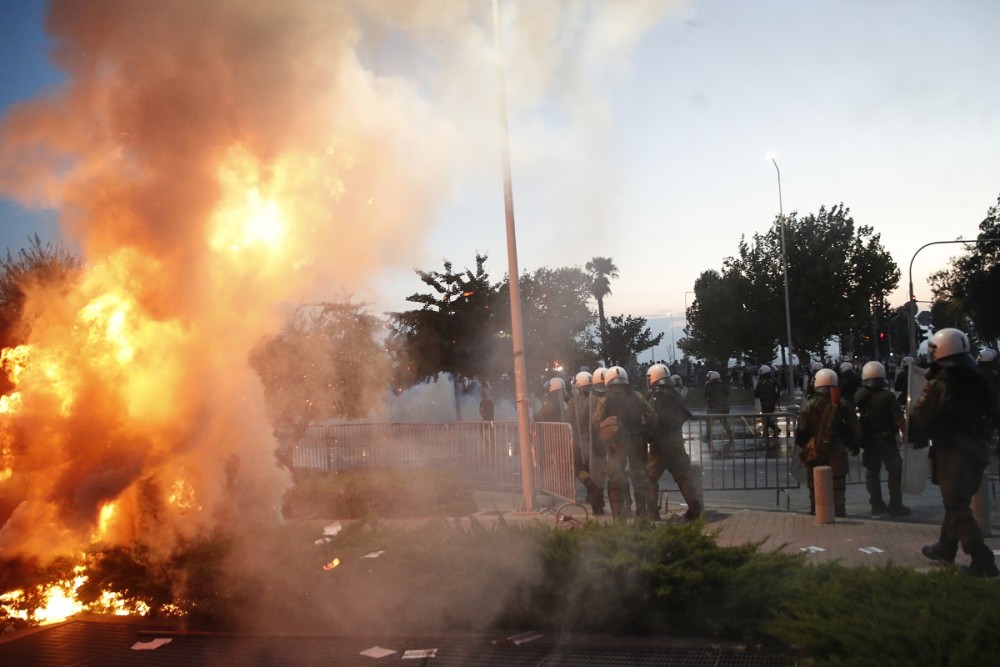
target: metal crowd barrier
<point>739,458</point>
<point>486,452</point>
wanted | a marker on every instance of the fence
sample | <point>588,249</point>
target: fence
<point>734,452</point>
<point>742,457</point>
<point>485,452</point>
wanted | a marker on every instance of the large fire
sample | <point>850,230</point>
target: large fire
<point>214,165</point>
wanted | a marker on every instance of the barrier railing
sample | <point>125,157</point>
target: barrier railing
<point>734,452</point>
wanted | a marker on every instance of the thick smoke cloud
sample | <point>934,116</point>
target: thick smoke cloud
<point>214,162</point>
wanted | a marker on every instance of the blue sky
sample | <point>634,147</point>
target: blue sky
<point>643,137</point>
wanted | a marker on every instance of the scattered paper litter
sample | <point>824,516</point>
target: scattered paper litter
<point>332,529</point>
<point>871,550</point>
<point>416,654</point>
<point>374,554</point>
<point>377,652</point>
<point>813,550</point>
<point>523,638</point>
<point>151,644</point>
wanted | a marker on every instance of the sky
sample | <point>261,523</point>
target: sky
<point>638,131</point>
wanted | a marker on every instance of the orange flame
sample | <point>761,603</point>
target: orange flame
<point>332,564</point>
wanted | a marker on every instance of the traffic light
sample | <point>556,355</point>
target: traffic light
<point>882,336</point>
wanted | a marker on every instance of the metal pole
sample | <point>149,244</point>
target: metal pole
<point>912,310</point>
<point>525,449</point>
<point>788,309</point>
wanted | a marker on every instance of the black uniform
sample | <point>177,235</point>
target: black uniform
<point>666,451</point>
<point>826,433</point>
<point>956,412</point>
<point>880,416</point>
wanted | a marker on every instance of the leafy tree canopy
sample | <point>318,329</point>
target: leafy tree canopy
<point>327,362</point>
<point>627,337</point>
<point>971,284</point>
<point>839,278</point>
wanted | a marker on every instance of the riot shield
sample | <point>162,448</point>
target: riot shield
<point>915,463</point>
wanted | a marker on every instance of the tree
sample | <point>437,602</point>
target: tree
<point>718,322</point>
<point>839,278</point>
<point>627,337</point>
<point>327,362</point>
<point>602,270</point>
<point>972,283</point>
<point>556,319</point>
<point>38,265</point>
<point>455,330</point>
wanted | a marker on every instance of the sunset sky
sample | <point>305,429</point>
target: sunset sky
<point>639,131</point>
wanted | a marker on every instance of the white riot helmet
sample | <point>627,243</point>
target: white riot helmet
<point>987,356</point>
<point>597,380</point>
<point>907,361</point>
<point>950,347</point>
<point>615,375</point>
<point>825,378</point>
<point>657,374</point>
<point>764,370</point>
<point>713,375</point>
<point>815,366</point>
<point>678,382</point>
<point>873,375</point>
<point>846,366</point>
<point>555,384</point>
<point>583,380</point>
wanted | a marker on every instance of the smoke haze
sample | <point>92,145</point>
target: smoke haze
<point>214,162</point>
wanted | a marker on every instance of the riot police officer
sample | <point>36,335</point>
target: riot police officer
<point>880,416</point>
<point>828,429</point>
<point>955,413</point>
<point>666,449</point>
<point>625,421</point>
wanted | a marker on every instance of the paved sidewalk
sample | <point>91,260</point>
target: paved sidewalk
<point>781,521</point>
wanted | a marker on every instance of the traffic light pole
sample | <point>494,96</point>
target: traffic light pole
<point>911,305</point>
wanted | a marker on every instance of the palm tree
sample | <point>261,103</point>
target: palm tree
<point>602,269</point>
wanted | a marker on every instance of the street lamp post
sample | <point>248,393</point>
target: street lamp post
<point>911,305</point>
<point>673,352</point>
<point>517,328</point>
<point>788,310</point>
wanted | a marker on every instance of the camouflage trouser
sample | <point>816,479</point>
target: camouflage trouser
<point>837,460</point>
<point>879,452</point>
<point>959,477</point>
<point>627,460</point>
<point>669,454</point>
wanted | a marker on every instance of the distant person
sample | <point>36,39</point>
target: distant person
<point>666,447</point>
<point>849,381</point>
<point>554,403</point>
<point>486,407</point>
<point>902,382</point>
<point>880,417</point>
<point>828,429</point>
<point>717,403</point>
<point>767,392</point>
<point>625,421</point>
<point>956,413</point>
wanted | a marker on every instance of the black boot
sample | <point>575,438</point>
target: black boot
<point>897,508</point>
<point>983,563</point>
<point>879,506</point>
<point>941,552</point>
<point>595,496</point>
